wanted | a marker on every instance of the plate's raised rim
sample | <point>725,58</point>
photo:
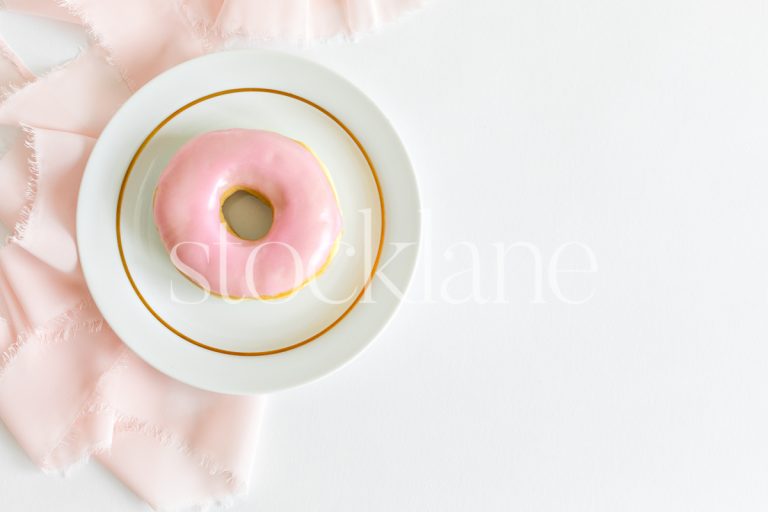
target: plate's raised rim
<point>98,196</point>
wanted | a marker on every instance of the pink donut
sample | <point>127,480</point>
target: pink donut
<point>306,224</point>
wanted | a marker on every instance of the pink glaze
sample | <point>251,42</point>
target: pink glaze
<point>306,218</point>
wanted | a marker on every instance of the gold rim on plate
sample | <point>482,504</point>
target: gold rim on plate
<point>120,206</point>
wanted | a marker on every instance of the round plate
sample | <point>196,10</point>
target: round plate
<point>249,346</point>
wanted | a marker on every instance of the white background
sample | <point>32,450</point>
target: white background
<point>637,128</point>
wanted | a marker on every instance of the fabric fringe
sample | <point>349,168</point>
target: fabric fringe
<point>96,405</point>
<point>94,36</point>
<point>196,24</point>
<point>8,91</point>
<point>168,439</point>
<point>30,194</point>
<point>164,437</point>
<point>95,449</point>
<point>70,435</point>
<point>58,330</point>
<point>197,27</point>
<point>240,39</point>
<point>18,230</point>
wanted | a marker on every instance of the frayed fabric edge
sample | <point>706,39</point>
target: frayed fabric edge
<point>96,38</point>
<point>88,454</point>
<point>88,24</point>
<point>223,502</point>
<point>18,230</point>
<point>58,330</point>
<point>165,438</point>
<point>232,39</point>
<point>97,404</point>
<point>207,463</point>
<point>9,91</point>
<point>197,28</point>
<point>30,192</point>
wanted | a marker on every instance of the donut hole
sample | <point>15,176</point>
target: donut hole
<point>247,215</point>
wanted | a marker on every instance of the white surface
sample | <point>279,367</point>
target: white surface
<point>637,128</point>
<point>215,322</point>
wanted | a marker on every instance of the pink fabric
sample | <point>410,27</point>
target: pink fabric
<point>306,20</point>
<point>69,389</point>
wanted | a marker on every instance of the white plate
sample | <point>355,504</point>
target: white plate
<point>251,346</point>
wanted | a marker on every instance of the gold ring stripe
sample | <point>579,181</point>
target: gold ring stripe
<point>130,170</point>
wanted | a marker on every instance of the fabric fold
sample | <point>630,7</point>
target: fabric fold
<point>44,8</point>
<point>166,37</point>
<point>78,97</point>
<point>300,20</point>
<point>13,72</point>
